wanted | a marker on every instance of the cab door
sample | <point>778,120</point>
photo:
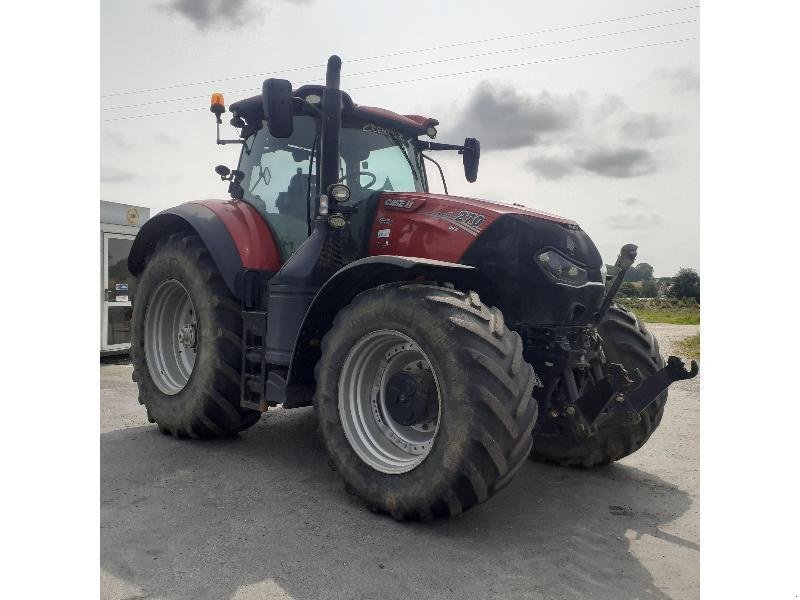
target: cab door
<point>118,287</point>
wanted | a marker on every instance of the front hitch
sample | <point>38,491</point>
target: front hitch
<point>626,392</point>
<point>646,393</point>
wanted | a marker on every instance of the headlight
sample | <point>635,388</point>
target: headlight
<point>562,269</point>
<point>339,192</point>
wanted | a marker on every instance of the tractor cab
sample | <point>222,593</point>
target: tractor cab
<point>281,174</point>
<point>280,170</point>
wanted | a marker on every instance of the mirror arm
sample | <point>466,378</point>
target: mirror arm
<point>437,146</point>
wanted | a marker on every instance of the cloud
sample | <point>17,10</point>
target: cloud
<point>569,134</point>
<point>631,201</point>
<point>633,220</point>
<point>645,127</point>
<point>682,79</point>
<point>114,175</point>
<point>611,104</point>
<point>211,14</point>
<point>119,140</point>
<point>505,119</point>
<point>551,167</point>
<point>618,162</point>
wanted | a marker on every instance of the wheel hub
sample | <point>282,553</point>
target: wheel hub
<point>187,336</point>
<point>410,398</point>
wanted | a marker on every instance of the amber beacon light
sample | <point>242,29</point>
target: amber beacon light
<point>217,104</point>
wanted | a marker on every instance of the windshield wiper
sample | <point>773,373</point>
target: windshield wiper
<point>441,173</point>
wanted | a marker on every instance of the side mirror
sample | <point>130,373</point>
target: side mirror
<point>222,171</point>
<point>276,95</point>
<point>471,156</point>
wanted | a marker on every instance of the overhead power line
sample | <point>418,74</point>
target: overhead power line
<point>404,52</point>
<point>431,62</point>
<point>524,64</point>
<point>444,75</point>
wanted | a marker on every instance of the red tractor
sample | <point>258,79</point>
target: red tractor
<point>428,331</point>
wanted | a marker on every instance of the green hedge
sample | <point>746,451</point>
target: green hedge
<point>681,311</point>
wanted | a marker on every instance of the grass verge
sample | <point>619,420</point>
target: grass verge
<point>673,316</point>
<point>664,310</point>
<point>690,346</point>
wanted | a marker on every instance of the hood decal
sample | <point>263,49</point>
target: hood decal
<point>465,220</point>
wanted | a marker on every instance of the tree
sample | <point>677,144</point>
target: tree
<point>649,289</point>
<point>645,271</point>
<point>628,290</point>
<point>686,284</point>
<point>641,272</point>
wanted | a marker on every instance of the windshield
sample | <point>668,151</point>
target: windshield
<point>281,183</point>
<point>375,159</point>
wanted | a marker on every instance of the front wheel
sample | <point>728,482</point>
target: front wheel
<point>424,400</point>
<point>186,344</point>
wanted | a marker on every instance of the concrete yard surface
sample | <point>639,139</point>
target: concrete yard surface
<point>263,516</point>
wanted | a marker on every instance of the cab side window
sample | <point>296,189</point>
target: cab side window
<point>278,180</point>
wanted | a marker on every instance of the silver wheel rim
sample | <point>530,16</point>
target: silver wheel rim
<point>170,337</point>
<point>379,440</point>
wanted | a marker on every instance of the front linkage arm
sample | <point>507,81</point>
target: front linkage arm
<point>626,258</point>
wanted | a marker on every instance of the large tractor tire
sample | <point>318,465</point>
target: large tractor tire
<point>424,400</point>
<point>186,343</point>
<point>626,341</point>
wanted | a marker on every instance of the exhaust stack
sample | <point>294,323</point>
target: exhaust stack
<point>331,125</point>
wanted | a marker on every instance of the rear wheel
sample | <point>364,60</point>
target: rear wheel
<point>626,341</point>
<point>186,343</point>
<point>424,400</point>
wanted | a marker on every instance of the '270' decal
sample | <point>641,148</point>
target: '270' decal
<point>465,220</point>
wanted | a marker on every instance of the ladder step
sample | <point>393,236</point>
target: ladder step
<point>254,356</point>
<point>254,372</point>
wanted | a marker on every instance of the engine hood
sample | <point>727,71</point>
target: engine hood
<point>502,241</point>
<point>486,207</point>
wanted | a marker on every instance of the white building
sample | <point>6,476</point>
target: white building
<point>119,224</point>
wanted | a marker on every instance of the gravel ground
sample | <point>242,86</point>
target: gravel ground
<point>262,516</point>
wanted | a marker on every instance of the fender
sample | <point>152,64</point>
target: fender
<point>236,235</point>
<point>346,284</point>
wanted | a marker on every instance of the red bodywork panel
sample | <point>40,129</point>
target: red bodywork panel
<point>251,235</point>
<point>436,226</point>
<point>406,224</point>
<point>403,121</point>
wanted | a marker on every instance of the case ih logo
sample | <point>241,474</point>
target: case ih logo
<point>465,220</point>
<point>398,203</point>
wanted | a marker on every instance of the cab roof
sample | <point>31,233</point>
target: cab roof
<point>252,110</point>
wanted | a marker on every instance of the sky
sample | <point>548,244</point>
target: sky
<point>585,109</point>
